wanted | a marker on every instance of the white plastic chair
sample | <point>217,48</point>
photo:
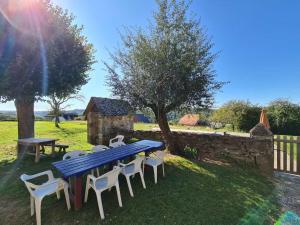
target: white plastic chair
<point>102,183</point>
<point>38,192</point>
<point>99,148</point>
<point>74,154</point>
<point>116,141</point>
<point>132,168</point>
<point>155,160</point>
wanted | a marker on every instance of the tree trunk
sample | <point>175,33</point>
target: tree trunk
<point>25,116</point>
<point>57,121</point>
<point>162,120</point>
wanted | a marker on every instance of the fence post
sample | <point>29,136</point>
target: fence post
<point>292,155</point>
<point>278,152</point>
<point>284,153</point>
<point>298,155</point>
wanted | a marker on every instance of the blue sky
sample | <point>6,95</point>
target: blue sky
<point>258,41</point>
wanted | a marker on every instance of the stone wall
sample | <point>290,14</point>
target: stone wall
<point>255,150</point>
<point>110,125</point>
<point>102,128</point>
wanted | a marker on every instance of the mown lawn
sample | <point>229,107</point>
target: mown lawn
<point>191,193</point>
<point>149,126</point>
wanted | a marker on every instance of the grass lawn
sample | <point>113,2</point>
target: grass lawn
<point>191,193</point>
<point>149,126</point>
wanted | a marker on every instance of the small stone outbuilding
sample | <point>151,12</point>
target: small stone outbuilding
<point>105,116</point>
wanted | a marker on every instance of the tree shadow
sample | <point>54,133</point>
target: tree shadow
<point>191,193</point>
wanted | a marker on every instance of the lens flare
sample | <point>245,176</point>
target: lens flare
<point>29,18</point>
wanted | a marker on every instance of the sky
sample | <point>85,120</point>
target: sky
<point>258,42</point>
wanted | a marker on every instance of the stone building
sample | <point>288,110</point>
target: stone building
<point>104,117</point>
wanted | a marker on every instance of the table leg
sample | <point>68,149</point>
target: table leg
<point>78,192</point>
<point>37,153</point>
<point>53,148</point>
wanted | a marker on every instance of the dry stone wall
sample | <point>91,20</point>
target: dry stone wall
<point>255,150</point>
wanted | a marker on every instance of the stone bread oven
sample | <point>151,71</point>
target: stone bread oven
<point>104,117</point>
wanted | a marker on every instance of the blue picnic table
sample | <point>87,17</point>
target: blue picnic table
<point>77,167</point>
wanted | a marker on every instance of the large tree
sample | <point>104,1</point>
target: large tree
<point>242,115</point>
<point>58,105</point>
<point>284,117</point>
<point>166,66</point>
<point>42,53</point>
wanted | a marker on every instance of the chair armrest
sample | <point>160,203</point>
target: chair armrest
<point>30,177</point>
<point>122,164</point>
<point>91,177</point>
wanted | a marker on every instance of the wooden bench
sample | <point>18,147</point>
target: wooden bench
<point>61,147</point>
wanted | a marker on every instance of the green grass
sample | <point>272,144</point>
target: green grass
<point>71,133</point>
<point>191,193</point>
<point>149,126</point>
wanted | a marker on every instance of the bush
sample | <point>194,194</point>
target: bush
<point>228,126</point>
<point>284,117</point>
<point>241,114</point>
<point>190,153</point>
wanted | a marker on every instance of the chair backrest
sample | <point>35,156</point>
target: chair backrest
<point>74,154</point>
<point>137,163</point>
<point>99,148</point>
<point>116,141</point>
<point>112,176</point>
<point>29,186</point>
<point>160,154</point>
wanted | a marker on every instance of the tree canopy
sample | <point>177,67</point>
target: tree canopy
<point>166,66</point>
<point>284,117</point>
<point>45,52</point>
<point>243,115</point>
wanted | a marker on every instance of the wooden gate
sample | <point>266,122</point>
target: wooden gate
<point>287,154</point>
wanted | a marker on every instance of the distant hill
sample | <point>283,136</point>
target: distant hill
<point>41,113</point>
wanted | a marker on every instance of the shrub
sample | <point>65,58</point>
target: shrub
<point>190,153</point>
<point>284,117</point>
<point>241,114</point>
<point>228,126</point>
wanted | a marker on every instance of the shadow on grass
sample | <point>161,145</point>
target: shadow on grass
<point>68,131</point>
<point>191,193</point>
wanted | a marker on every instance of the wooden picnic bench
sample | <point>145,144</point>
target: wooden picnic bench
<point>37,143</point>
<point>61,147</point>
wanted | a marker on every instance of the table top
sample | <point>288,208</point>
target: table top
<point>36,140</point>
<point>78,166</point>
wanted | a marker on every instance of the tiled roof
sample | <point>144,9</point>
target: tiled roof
<point>108,106</point>
<point>189,119</point>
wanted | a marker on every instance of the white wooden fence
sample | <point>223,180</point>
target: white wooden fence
<point>287,154</point>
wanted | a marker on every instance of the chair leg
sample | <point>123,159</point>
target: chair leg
<point>98,174</point>
<point>143,168</point>
<point>142,178</point>
<point>87,187</point>
<point>155,173</point>
<point>67,197</point>
<point>163,167</point>
<point>119,194</point>
<point>31,206</point>
<point>70,184</point>
<point>58,194</point>
<point>129,186</point>
<point>38,203</point>
<point>100,206</point>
